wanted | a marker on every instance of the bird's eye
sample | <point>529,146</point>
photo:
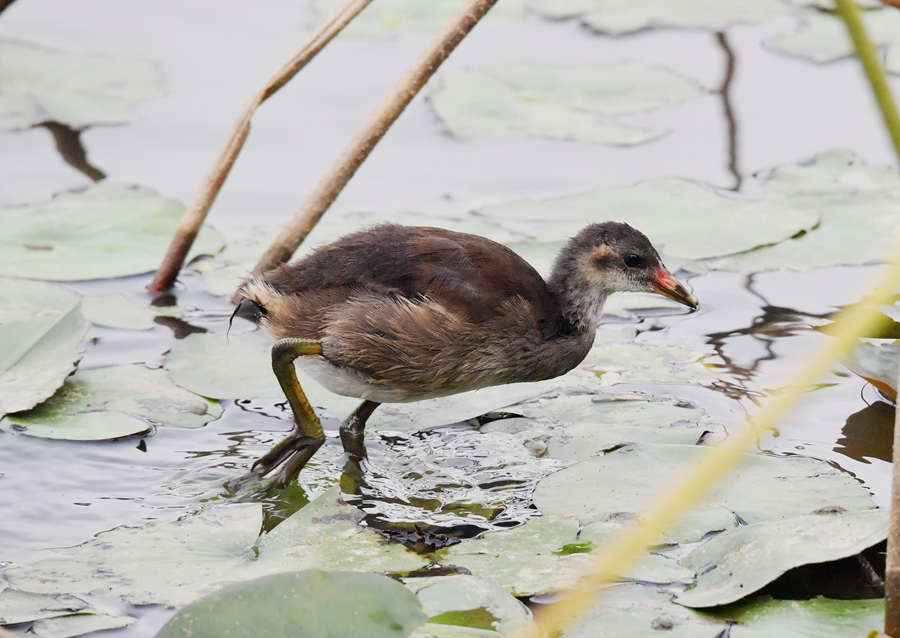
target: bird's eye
<point>633,261</point>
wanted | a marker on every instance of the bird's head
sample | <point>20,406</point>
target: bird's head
<point>613,257</point>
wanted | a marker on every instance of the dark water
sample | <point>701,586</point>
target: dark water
<point>774,111</point>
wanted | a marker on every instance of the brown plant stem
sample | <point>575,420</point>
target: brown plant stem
<point>4,4</point>
<point>196,212</point>
<point>330,186</point>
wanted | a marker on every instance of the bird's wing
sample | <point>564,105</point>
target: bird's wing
<point>467,274</point>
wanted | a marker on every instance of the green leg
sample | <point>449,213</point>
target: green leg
<point>353,429</point>
<point>307,437</point>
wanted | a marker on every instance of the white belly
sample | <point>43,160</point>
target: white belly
<point>348,383</point>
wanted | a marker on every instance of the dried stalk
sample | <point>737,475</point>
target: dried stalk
<point>4,4</point>
<point>327,190</point>
<point>199,207</point>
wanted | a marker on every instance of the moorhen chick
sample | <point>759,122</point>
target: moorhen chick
<point>395,314</point>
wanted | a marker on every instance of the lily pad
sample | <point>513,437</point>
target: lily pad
<point>79,89</point>
<point>23,606</point>
<point>109,230</point>
<point>698,223</point>
<point>176,563</point>
<point>468,601</point>
<point>879,364</point>
<point>645,363</point>
<point>626,480</point>
<point>820,617</point>
<point>387,18</point>
<point>619,17</point>
<point>635,611</point>
<point>556,102</point>
<point>307,604</point>
<point>109,403</point>
<point>41,333</point>
<point>548,554</point>
<point>119,311</point>
<point>79,624</point>
<point>741,561</point>
<point>824,38</point>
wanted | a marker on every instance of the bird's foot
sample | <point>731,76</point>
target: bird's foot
<point>291,454</point>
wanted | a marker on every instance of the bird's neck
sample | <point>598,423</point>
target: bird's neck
<point>580,303</point>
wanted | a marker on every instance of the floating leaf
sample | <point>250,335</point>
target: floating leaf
<point>762,488</point>
<point>387,18</point>
<point>79,89</point>
<point>618,17</point>
<point>645,363</point>
<point>834,172</point>
<point>592,426</point>
<point>879,364</point>
<point>743,560</point>
<point>537,557</point>
<point>468,601</point>
<point>23,606</point>
<point>635,611</point>
<point>307,604</point>
<point>556,102</point>
<point>41,330</point>
<point>698,223</point>
<point>119,311</point>
<point>109,403</point>
<point>108,230</point>
<point>175,563</point>
<point>79,624</point>
<point>823,37</point>
<point>820,617</point>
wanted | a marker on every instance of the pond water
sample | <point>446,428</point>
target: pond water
<point>215,53</point>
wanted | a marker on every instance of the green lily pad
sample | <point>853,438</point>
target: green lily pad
<point>820,617</point>
<point>834,172</point>
<point>467,601</point>
<point>109,230</point>
<point>543,555</point>
<point>119,311</point>
<point>879,364</point>
<point>743,560</point>
<point>824,38</point>
<point>79,624</point>
<point>41,333</point>
<point>626,480</point>
<point>635,611</point>
<point>307,604</point>
<point>556,102</point>
<point>23,606</point>
<point>619,17</point>
<point>645,363</point>
<point>79,89</point>
<point>698,223</point>
<point>387,18</point>
<point>110,403</point>
<point>592,426</point>
<point>176,563</point>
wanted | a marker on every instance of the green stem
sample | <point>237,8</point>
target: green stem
<point>867,54</point>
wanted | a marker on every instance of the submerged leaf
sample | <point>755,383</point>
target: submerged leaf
<point>78,89</point>
<point>556,102</point>
<point>109,403</point>
<point>306,604</point>
<point>41,330</point>
<point>618,17</point>
<point>108,230</point>
<point>743,560</point>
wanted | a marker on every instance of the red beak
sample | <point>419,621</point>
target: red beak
<point>666,285</point>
